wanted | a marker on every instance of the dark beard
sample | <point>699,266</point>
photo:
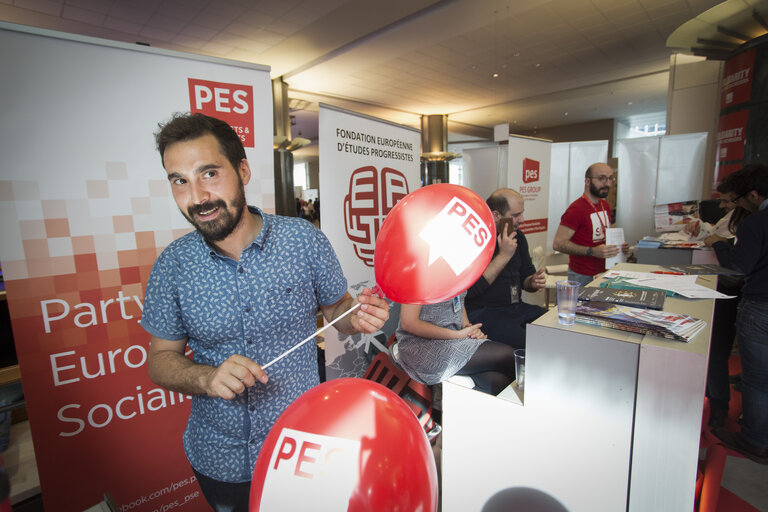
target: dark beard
<point>598,192</point>
<point>222,226</point>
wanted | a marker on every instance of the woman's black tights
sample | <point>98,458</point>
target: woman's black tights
<point>492,367</point>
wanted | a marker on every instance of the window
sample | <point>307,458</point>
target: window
<point>300,175</point>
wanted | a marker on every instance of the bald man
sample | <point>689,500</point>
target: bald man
<point>581,233</point>
<point>494,300</point>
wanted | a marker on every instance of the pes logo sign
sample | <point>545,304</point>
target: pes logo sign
<point>530,170</point>
<point>231,103</point>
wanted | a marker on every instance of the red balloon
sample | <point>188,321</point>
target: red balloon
<point>434,244</point>
<point>347,445</point>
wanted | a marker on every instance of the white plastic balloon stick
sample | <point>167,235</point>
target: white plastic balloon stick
<point>310,337</point>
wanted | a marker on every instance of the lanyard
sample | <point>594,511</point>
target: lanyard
<point>599,218</point>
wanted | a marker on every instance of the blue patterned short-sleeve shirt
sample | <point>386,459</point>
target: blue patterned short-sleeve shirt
<point>259,307</point>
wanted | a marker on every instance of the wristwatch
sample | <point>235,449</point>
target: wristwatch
<point>589,251</point>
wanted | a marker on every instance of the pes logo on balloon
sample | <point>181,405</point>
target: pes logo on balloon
<point>346,445</point>
<point>434,244</point>
<point>317,468</point>
<point>456,221</point>
<point>372,195</point>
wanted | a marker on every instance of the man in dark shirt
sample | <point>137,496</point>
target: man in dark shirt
<point>750,256</point>
<point>494,300</point>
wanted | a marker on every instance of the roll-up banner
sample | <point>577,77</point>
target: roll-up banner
<point>366,166</point>
<point>85,208</point>
<point>528,173</point>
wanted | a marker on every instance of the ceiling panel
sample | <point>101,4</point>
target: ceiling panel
<point>403,58</point>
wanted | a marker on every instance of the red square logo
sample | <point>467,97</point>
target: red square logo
<point>231,103</point>
<point>530,170</point>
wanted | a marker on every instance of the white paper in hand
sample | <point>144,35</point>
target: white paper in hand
<point>615,236</point>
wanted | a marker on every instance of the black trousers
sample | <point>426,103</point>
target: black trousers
<point>506,324</point>
<point>721,344</point>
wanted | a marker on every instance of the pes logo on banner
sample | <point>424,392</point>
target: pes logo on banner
<point>372,194</point>
<point>308,470</point>
<point>457,235</point>
<point>530,170</point>
<point>232,103</point>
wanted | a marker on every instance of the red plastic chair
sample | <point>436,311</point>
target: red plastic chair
<point>709,479</point>
<point>416,395</point>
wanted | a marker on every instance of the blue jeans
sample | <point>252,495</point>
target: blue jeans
<point>752,333</point>
<point>581,278</point>
<point>224,496</point>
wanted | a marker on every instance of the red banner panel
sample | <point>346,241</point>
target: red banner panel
<point>737,79</point>
<point>731,135</point>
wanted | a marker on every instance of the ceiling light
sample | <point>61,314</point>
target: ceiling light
<point>516,54</point>
<point>629,103</point>
<point>538,65</point>
<point>495,75</point>
<point>439,156</point>
<point>565,114</point>
<point>282,142</point>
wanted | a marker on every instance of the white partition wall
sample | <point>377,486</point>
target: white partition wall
<point>481,169</point>
<point>569,162</point>
<point>681,167</point>
<point>636,188</point>
<point>582,155</point>
<point>656,170</point>
<point>560,168</point>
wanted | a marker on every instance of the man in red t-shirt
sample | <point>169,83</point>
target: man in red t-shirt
<point>581,233</point>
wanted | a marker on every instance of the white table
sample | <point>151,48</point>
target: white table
<point>610,420</point>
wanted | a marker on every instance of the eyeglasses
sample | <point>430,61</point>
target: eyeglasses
<point>604,179</point>
<point>738,197</point>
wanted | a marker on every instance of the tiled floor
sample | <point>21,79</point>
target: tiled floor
<point>747,480</point>
<point>19,462</point>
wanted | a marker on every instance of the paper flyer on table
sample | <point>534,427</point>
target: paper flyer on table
<point>682,285</point>
<point>615,236</point>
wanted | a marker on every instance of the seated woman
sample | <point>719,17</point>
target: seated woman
<point>436,341</point>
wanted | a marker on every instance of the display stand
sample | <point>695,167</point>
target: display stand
<point>669,256</point>
<point>610,420</point>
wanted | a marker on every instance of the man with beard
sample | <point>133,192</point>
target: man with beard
<point>495,299</point>
<point>581,233</point>
<point>240,290</point>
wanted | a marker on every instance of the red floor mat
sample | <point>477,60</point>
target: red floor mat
<point>729,502</point>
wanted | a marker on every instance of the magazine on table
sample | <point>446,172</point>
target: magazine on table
<point>639,297</point>
<point>665,324</point>
<point>704,269</point>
